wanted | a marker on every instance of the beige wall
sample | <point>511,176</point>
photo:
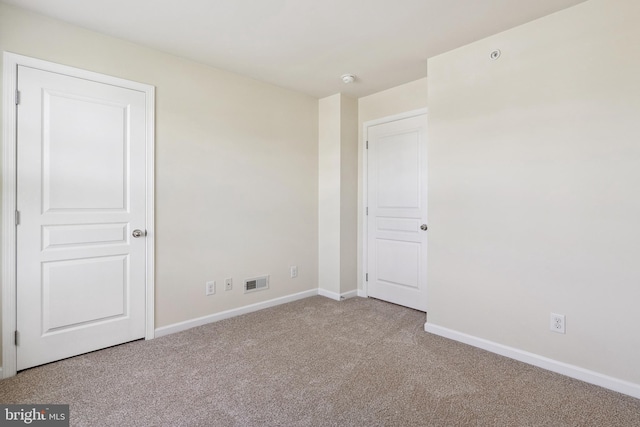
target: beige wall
<point>349,194</point>
<point>337,148</point>
<point>400,99</point>
<point>329,193</point>
<point>533,187</point>
<point>236,168</point>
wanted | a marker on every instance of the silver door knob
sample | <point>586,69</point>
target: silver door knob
<point>423,227</point>
<point>138,233</point>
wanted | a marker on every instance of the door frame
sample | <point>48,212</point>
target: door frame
<point>365,187</point>
<point>11,61</point>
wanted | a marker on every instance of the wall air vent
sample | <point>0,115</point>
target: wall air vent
<point>256,284</point>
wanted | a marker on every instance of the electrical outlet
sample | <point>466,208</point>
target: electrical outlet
<point>557,323</point>
<point>228,284</point>
<point>293,271</point>
<point>210,288</point>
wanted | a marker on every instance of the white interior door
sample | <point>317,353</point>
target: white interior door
<point>397,212</point>
<point>80,194</point>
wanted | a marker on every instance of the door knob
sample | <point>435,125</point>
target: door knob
<point>138,233</point>
<point>423,227</point>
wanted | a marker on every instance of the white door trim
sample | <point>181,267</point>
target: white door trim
<point>365,186</point>
<point>11,62</point>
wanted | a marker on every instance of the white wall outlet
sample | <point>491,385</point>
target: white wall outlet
<point>557,323</point>
<point>293,271</point>
<point>210,288</point>
<point>228,284</point>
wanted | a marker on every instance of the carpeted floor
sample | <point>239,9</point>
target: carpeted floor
<point>314,362</point>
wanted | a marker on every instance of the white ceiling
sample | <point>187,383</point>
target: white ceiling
<point>304,45</point>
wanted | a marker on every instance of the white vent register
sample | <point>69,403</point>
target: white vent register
<point>256,284</point>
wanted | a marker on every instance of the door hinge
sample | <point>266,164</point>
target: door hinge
<point>367,210</point>
<point>17,97</point>
<point>366,277</point>
<point>17,217</point>
<point>367,145</point>
<point>16,337</point>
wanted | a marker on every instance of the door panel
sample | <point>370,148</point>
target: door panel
<point>98,137</point>
<point>79,235</point>
<point>81,191</point>
<point>397,197</point>
<point>70,300</point>
<point>398,170</point>
<point>398,263</point>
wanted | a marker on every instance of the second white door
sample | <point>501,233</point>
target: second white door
<point>397,212</point>
<point>81,193</point>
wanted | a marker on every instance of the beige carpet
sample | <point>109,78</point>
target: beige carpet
<point>314,362</point>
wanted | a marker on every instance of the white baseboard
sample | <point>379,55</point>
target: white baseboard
<point>328,294</point>
<point>592,377</point>
<point>188,324</point>
<point>362,293</point>
<point>350,294</point>
<point>336,296</point>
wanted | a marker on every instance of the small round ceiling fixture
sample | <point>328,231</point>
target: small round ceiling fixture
<point>348,78</point>
<point>495,54</point>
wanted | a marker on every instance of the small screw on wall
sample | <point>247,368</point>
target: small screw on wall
<point>495,54</point>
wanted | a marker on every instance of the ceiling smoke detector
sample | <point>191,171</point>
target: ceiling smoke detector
<point>348,78</point>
